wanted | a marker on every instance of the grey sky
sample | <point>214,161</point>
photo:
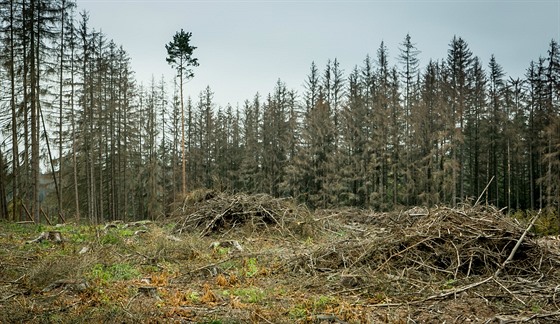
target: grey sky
<point>244,47</point>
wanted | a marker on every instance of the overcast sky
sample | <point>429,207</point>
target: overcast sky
<point>244,47</point>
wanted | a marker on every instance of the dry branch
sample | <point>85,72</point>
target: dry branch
<point>510,257</point>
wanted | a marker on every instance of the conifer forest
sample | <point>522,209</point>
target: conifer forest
<point>82,139</point>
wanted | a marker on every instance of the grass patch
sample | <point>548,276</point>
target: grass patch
<point>248,295</point>
<point>115,272</point>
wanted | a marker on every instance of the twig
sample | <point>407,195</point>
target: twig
<point>554,296</point>
<point>8,297</point>
<point>454,291</point>
<point>212,264</point>
<point>261,317</point>
<point>219,216</point>
<point>510,257</point>
<point>483,191</point>
<point>388,304</point>
<point>438,296</point>
<point>458,261</point>
<point>509,291</point>
<point>393,255</point>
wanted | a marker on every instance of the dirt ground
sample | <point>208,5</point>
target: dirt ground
<point>256,259</point>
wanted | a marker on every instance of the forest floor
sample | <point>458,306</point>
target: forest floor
<point>255,259</point>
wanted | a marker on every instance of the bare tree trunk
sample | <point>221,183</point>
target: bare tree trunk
<point>34,123</point>
<point>60,95</point>
<point>183,152</point>
<point>3,200</point>
<point>73,121</point>
<point>26,105</point>
<point>15,153</point>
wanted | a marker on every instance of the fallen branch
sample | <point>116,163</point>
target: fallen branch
<point>483,191</point>
<point>261,317</point>
<point>216,219</point>
<point>509,291</point>
<point>54,236</point>
<point>454,291</point>
<point>518,244</point>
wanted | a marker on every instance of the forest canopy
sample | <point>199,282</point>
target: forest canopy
<point>81,138</point>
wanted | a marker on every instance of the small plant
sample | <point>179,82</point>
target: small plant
<point>536,308</point>
<point>251,267</point>
<point>125,232</point>
<point>298,312</point>
<point>194,297</point>
<point>222,251</point>
<point>319,303</point>
<point>449,284</point>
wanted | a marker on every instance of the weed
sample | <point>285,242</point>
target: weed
<point>251,267</point>
<point>319,303</point>
<point>221,251</point>
<point>194,297</point>
<point>15,228</point>
<point>536,308</point>
<point>298,312</point>
<point>449,284</point>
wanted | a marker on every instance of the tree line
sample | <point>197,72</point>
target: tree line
<point>81,137</point>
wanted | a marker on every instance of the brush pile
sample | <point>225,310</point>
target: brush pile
<point>415,248</point>
<point>221,213</point>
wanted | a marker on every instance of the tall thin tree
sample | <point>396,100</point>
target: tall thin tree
<point>180,56</point>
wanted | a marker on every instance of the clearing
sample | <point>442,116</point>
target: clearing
<point>240,258</point>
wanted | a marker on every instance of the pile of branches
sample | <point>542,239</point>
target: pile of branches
<point>459,243</point>
<point>436,244</point>
<point>475,254</point>
<point>221,212</point>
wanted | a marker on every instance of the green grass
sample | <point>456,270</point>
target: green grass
<point>115,272</point>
